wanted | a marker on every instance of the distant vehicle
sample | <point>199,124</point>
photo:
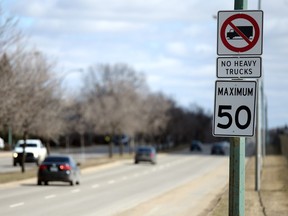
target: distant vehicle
<point>1,143</point>
<point>196,145</point>
<point>221,148</point>
<point>121,139</point>
<point>35,151</point>
<point>145,153</point>
<point>246,30</point>
<point>59,168</point>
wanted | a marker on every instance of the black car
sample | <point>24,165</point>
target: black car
<point>221,148</point>
<point>121,139</point>
<point>59,168</point>
<point>145,153</point>
<point>196,146</point>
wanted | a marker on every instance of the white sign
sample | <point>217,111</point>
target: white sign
<point>240,32</point>
<point>234,110</point>
<point>233,67</point>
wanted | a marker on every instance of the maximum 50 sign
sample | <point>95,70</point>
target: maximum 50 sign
<point>234,108</point>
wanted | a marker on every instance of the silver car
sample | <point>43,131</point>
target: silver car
<point>146,154</point>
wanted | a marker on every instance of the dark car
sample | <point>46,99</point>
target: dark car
<point>145,153</point>
<point>196,145</point>
<point>221,148</point>
<point>121,139</point>
<point>59,168</point>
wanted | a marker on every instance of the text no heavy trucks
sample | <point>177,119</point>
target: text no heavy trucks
<point>239,67</point>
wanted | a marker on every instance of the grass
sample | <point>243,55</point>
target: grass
<point>17,176</point>
<point>273,196</point>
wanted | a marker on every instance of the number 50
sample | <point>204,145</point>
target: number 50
<point>223,111</point>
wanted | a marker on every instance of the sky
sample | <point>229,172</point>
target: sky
<point>172,42</point>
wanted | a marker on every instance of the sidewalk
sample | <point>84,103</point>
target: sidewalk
<point>272,199</point>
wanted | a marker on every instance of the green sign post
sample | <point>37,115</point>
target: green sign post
<point>237,161</point>
<point>239,34</point>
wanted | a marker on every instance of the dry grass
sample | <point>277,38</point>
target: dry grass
<point>273,197</point>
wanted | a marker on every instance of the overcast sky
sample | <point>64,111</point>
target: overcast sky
<point>173,42</point>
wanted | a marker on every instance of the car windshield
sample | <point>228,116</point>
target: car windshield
<point>28,145</point>
<point>57,159</point>
<point>144,150</point>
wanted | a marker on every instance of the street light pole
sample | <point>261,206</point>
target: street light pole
<point>61,80</point>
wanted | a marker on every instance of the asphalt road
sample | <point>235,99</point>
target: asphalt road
<point>114,189</point>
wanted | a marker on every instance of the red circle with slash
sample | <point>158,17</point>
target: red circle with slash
<point>250,43</point>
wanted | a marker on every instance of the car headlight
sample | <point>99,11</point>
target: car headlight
<point>35,155</point>
<point>15,154</point>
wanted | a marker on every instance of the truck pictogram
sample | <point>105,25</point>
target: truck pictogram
<point>246,30</point>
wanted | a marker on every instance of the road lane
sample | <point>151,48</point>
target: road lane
<point>112,190</point>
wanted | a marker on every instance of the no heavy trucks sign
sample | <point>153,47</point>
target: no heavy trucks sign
<point>243,67</point>
<point>234,109</point>
<point>240,32</point>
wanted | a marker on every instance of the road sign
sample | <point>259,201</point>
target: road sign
<point>234,67</point>
<point>234,110</point>
<point>240,32</point>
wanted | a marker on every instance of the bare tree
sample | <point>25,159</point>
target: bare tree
<point>112,94</point>
<point>155,116</point>
<point>11,42</point>
<point>34,95</point>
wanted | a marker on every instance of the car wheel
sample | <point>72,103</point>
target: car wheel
<point>39,182</point>
<point>136,162</point>
<point>72,182</point>
<point>46,182</point>
<point>14,164</point>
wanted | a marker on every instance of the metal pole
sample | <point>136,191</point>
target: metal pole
<point>237,161</point>
<point>259,131</point>
<point>237,177</point>
<point>10,141</point>
<point>258,139</point>
<point>240,4</point>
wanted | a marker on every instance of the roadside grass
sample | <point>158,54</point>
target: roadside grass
<point>17,176</point>
<point>273,196</point>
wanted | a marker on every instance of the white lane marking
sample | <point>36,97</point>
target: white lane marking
<point>95,186</point>
<point>111,182</point>
<point>16,204</point>
<point>75,191</point>
<point>50,196</point>
<point>135,175</point>
<point>124,178</point>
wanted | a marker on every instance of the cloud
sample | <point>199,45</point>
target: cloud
<point>177,48</point>
<point>123,10</point>
<point>84,26</point>
<point>173,42</point>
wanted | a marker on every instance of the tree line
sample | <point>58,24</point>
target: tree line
<point>115,99</point>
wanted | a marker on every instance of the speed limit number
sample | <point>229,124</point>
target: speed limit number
<point>234,110</point>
